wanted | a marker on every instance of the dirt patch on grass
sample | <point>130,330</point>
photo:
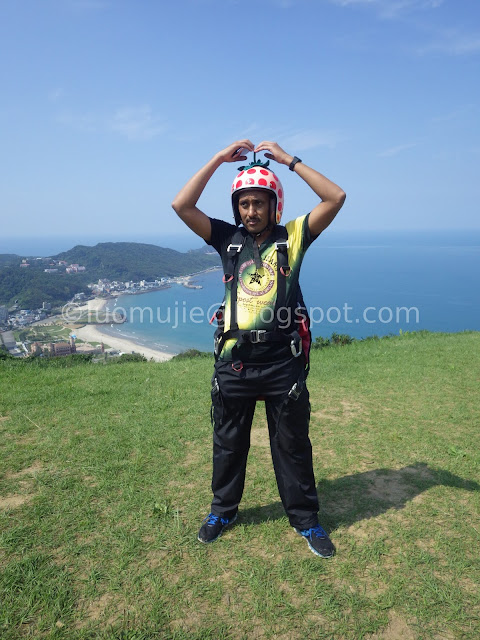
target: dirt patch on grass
<point>32,470</point>
<point>259,436</point>
<point>193,616</point>
<point>427,545</point>
<point>3,418</point>
<point>391,486</point>
<point>156,558</point>
<point>20,441</point>
<point>96,609</point>
<point>16,500</point>
<point>367,494</point>
<point>192,455</point>
<point>351,408</point>
<point>90,481</point>
<point>343,413</point>
<point>13,501</point>
<point>99,609</point>
<point>183,488</point>
<point>397,629</point>
<point>370,529</point>
<point>468,585</point>
<point>396,486</point>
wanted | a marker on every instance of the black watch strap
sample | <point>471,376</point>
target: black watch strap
<point>294,162</point>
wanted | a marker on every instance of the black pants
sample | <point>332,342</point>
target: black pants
<point>288,423</point>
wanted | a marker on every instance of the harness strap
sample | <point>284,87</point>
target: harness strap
<point>283,271</point>
<point>256,255</point>
<point>233,298</point>
<point>233,251</point>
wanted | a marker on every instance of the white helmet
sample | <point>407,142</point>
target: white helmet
<point>257,176</point>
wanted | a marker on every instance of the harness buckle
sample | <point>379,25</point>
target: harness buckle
<point>295,391</point>
<point>296,347</point>
<point>234,247</point>
<point>216,345</point>
<point>215,386</point>
<point>257,335</point>
<point>282,245</point>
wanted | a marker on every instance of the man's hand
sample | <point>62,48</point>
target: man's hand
<point>185,203</point>
<point>275,152</point>
<point>332,196</point>
<point>232,153</point>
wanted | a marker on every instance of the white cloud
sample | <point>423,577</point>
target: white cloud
<point>88,5</point>
<point>283,4</point>
<point>453,42</point>
<point>345,3</point>
<point>55,94</point>
<point>310,139</point>
<point>457,114</point>
<point>82,122</point>
<point>280,4</point>
<point>391,8</point>
<point>293,139</point>
<point>394,151</point>
<point>133,123</point>
<point>137,123</point>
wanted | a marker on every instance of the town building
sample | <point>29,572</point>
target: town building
<point>62,348</point>
<point>56,349</point>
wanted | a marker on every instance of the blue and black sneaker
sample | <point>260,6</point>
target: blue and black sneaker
<point>318,541</point>
<point>213,527</point>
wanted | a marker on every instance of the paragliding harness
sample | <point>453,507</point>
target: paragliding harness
<point>297,335</point>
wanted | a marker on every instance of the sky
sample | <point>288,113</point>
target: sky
<point>109,106</point>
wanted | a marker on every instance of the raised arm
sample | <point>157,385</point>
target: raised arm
<point>332,196</point>
<point>185,203</point>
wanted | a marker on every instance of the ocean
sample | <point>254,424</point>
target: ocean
<point>361,284</point>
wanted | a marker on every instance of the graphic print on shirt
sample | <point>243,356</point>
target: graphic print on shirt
<point>256,293</point>
<point>256,282</point>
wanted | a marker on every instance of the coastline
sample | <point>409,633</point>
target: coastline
<point>94,333</point>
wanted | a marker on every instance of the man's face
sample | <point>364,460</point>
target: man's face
<point>254,208</point>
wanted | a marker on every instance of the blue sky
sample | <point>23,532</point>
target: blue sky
<point>109,106</point>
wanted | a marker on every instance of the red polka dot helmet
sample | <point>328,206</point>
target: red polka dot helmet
<point>257,176</point>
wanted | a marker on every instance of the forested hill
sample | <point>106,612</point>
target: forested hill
<point>136,261</point>
<point>8,258</point>
<point>122,261</point>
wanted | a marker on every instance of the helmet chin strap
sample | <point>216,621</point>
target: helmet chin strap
<point>256,253</point>
<point>256,235</point>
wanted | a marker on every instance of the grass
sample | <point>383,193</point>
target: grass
<point>105,475</point>
<point>43,333</point>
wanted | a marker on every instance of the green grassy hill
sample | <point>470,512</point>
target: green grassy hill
<point>105,474</point>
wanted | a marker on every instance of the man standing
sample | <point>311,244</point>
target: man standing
<point>262,343</point>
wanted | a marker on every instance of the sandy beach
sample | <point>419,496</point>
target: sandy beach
<point>93,333</point>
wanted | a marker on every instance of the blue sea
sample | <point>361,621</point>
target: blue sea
<point>362,284</point>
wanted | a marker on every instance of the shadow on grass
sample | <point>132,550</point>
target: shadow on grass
<point>368,494</point>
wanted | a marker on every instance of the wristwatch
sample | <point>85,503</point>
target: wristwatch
<point>294,162</point>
